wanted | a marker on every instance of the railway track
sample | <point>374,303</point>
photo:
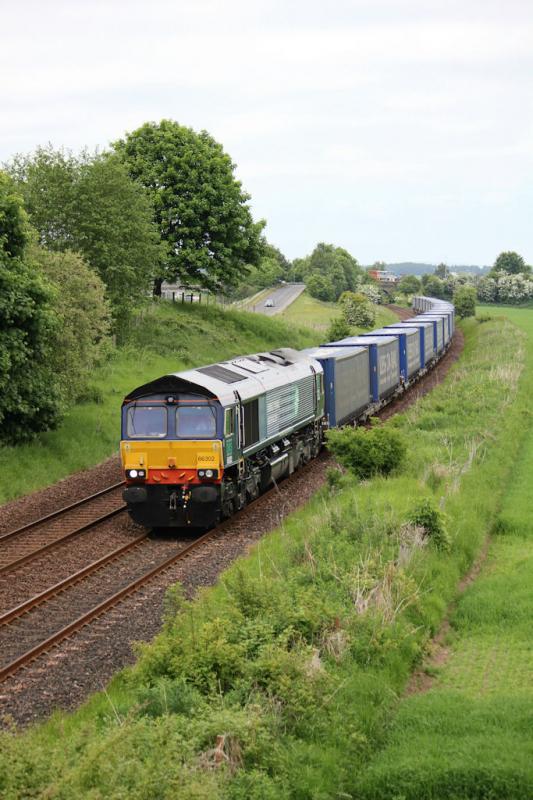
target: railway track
<point>23,544</point>
<point>38,624</point>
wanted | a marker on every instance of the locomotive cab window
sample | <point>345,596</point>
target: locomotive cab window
<point>196,422</point>
<point>147,422</point>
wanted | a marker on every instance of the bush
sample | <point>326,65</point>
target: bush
<point>357,309</point>
<point>367,451</point>
<point>334,479</point>
<point>338,329</point>
<point>425,515</point>
<point>79,302</point>
<point>464,300</point>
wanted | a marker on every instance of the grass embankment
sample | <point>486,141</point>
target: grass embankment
<point>298,657</point>
<point>470,736</point>
<point>318,315</point>
<point>163,338</point>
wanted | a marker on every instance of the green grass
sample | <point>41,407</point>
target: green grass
<point>470,735</point>
<point>163,338</point>
<point>300,654</point>
<point>318,315</point>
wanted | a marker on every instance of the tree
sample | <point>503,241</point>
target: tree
<point>335,263</point>
<point>434,287</point>
<point>30,400</point>
<point>510,262</point>
<point>320,286</point>
<point>91,205</point>
<point>272,268</point>
<point>81,340</point>
<point>442,271</point>
<point>201,210</point>
<point>409,284</point>
<point>464,300</point>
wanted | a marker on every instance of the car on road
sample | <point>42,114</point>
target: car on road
<point>269,303</point>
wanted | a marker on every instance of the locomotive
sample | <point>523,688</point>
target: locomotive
<point>199,445</point>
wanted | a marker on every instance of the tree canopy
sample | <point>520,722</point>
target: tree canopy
<point>201,209</point>
<point>273,267</point>
<point>89,204</point>
<point>442,271</point>
<point>511,263</point>
<point>328,272</point>
<point>409,284</point>
<point>30,398</point>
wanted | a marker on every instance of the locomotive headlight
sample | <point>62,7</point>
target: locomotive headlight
<point>209,473</point>
<point>133,474</point>
<point>201,473</point>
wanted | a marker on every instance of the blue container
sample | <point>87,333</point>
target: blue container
<point>411,349</point>
<point>441,329</point>
<point>427,338</point>
<point>346,381</point>
<point>402,346</point>
<point>384,358</point>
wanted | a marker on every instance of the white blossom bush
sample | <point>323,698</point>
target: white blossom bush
<point>505,288</point>
<point>514,288</point>
<point>487,290</point>
<point>370,291</point>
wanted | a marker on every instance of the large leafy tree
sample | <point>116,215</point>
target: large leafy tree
<point>30,398</point>
<point>328,271</point>
<point>89,204</point>
<point>201,209</point>
<point>510,262</point>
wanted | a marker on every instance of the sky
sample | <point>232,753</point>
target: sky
<point>401,130</point>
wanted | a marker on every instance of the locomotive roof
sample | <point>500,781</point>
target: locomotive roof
<point>395,329</point>
<point>249,375</point>
<point>332,351</point>
<point>363,341</point>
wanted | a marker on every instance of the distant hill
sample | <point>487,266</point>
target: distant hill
<point>413,268</point>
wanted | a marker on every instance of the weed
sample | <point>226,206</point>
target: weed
<point>428,518</point>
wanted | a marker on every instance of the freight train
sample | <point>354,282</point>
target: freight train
<point>199,445</point>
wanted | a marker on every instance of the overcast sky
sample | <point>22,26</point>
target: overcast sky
<point>401,130</point>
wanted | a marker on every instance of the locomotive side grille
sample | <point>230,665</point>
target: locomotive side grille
<point>287,405</point>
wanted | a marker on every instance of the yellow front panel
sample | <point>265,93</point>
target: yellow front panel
<point>170,453</point>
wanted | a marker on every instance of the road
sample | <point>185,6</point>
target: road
<point>282,296</point>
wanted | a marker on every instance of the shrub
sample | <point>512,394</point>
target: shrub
<point>79,303</point>
<point>464,300</point>
<point>357,309</point>
<point>338,329</point>
<point>367,452</point>
<point>425,515</point>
